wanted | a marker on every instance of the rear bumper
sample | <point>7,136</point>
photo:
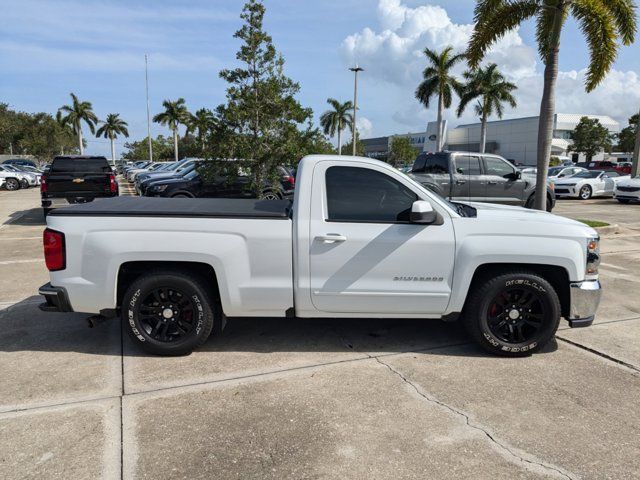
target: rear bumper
<point>585,299</point>
<point>56,299</point>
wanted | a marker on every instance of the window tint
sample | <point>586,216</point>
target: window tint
<point>364,195</point>
<point>468,165</point>
<point>431,163</point>
<point>80,165</point>
<point>495,166</point>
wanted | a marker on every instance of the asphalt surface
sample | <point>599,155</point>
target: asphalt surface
<point>344,399</point>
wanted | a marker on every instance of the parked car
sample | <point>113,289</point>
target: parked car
<point>555,173</point>
<point>35,175</point>
<point>608,165</point>
<point>77,179</point>
<point>627,190</point>
<point>592,183</point>
<point>363,240</point>
<point>193,185</point>
<point>10,180</point>
<point>148,167</point>
<point>145,179</point>
<point>24,179</point>
<point>476,177</point>
<point>20,161</point>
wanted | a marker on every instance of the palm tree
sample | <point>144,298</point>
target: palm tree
<point>605,23</point>
<point>111,128</point>
<point>335,120</point>
<point>74,115</point>
<point>201,123</point>
<point>439,81</point>
<point>490,86</point>
<point>175,113</point>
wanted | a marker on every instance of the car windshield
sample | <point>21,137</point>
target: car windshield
<point>555,171</point>
<point>588,174</point>
<point>191,175</point>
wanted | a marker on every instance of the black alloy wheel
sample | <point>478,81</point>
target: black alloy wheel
<point>167,314</point>
<point>516,314</point>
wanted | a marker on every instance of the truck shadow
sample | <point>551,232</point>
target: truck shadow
<point>32,216</point>
<point>26,328</point>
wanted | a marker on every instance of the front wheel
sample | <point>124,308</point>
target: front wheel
<point>585,192</point>
<point>169,313</point>
<point>12,184</point>
<point>269,195</point>
<point>513,314</point>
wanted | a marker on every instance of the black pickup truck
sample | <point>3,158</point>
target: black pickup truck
<point>76,179</point>
<point>477,177</point>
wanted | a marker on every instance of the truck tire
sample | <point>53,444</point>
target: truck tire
<point>512,314</point>
<point>532,200</point>
<point>169,312</point>
<point>623,200</point>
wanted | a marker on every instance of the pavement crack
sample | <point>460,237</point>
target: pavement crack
<point>635,370</point>
<point>472,425</point>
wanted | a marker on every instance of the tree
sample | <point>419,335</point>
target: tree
<point>605,23</point>
<point>439,81</point>
<point>401,152</point>
<point>627,136</point>
<point>590,137</point>
<point>491,88</point>
<point>359,146</point>
<point>259,123</point>
<point>76,113</point>
<point>111,128</point>
<point>202,123</point>
<point>175,114</point>
<point>37,134</point>
<point>139,149</point>
<point>335,120</point>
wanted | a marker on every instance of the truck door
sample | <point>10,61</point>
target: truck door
<point>468,182</point>
<point>503,184</point>
<point>365,256</point>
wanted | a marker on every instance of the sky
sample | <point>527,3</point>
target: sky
<point>96,48</point>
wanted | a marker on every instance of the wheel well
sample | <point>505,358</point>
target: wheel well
<point>129,271</point>
<point>555,275</point>
<point>183,192</point>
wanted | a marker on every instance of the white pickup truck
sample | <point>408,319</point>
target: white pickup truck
<point>361,239</point>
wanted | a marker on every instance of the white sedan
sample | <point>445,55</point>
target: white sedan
<point>627,190</point>
<point>591,183</point>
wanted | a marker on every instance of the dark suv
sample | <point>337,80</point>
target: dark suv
<point>193,185</point>
<point>477,177</point>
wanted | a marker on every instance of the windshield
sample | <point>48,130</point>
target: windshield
<point>588,174</point>
<point>191,175</point>
<point>555,171</point>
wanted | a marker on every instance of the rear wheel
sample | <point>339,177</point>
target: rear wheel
<point>513,314</point>
<point>181,195</point>
<point>169,312</point>
<point>585,192</point>
<point>12,184</point>
<point>269,195</point>
<point>24,183</point>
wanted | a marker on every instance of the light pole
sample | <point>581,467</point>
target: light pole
<point>146,79</point>
<point>635,165</point>
<point>355,70</point>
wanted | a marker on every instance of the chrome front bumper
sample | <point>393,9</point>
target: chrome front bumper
<point>585,298</point>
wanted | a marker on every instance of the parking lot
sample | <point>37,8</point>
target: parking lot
<point>285,398</point>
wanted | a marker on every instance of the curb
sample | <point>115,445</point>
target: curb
<point>608,230</point>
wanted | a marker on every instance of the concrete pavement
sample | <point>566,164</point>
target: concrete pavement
<point>315,399</point>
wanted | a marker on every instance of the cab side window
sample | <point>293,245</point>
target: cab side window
<point>495,166</point>
<point>434,163</point>
<point>468,165</point>
<point>357,194</point>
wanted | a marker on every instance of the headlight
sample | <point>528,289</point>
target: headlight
<point>160,188</point>
<point>593,255</point>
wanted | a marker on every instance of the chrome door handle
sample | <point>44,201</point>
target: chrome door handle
<point>331,238</point>
<point>491,182</point>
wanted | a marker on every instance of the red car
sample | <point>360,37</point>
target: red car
<point>622,169</point>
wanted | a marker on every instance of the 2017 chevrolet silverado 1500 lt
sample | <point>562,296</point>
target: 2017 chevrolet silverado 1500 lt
<point>361,239</point>
<point>478,177</point>
<point>77,179</point>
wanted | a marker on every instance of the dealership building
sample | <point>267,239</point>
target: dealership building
<point>515,139</point>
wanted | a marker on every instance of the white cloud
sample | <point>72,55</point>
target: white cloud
<point>392,54</point>
<point>365,127</point>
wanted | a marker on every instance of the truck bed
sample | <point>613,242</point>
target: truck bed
<point>180,207</point>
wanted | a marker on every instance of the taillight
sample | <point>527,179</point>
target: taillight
<point>43,184</point>
<point>292,180</point>
<point>54,250</point>
<point>112,183</point>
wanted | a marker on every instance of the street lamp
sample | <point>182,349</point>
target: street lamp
<point>355,70</point>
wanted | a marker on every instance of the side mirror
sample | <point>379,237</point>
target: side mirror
<point>514,176</point>
<point>422,212</point>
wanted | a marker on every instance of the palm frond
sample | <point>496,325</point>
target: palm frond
<point>624,15</point>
